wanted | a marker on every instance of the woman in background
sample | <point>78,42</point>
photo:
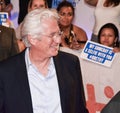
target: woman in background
<point>109,36</point>
<point>73,37</point>
<point>33,4</point>
<point>106,11</point>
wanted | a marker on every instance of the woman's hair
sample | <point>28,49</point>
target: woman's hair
<point>112,2</point>
<point>33,23</point>
<point>65,4</point>
<point>31,2</point>
<point>111,26</point>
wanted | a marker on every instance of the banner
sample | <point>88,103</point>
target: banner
<point>100,83</point>
<point>56,2</point>
<point>3,19</point>
<point>98,53</point>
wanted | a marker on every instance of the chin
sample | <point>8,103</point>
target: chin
<point>107,45</point>
<point>54,53</point>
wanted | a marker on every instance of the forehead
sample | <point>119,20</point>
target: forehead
<point>38,1</point>
<point>110,30</point>
<point>66,9</point>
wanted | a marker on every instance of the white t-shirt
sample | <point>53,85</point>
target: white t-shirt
<point>105,15</point>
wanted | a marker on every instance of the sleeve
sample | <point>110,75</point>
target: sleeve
<point>1,97</point>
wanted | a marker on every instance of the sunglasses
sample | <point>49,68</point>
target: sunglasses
<point>81,42</point>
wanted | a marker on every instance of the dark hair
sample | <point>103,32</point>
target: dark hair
<point>111,26</point>
<point>113,2</point>
<point>31,2</point>
<point>65,4</point>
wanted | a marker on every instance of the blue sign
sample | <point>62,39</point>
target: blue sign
<point>56,2</point>
<point>3,18</point>
<point>98,53</point>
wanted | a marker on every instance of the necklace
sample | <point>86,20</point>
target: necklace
<point>69,38</point>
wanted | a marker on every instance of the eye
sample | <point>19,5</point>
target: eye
<point>57,34</point>
<point>70,14</point>
<point>62,14</point>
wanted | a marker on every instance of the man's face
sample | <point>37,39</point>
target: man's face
<point>48,45</point>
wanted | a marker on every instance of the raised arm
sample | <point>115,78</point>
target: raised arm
<point>91,2</point>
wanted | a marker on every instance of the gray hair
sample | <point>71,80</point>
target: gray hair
<point>33,23</point>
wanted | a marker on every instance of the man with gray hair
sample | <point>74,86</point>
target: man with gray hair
<point>41,79</point>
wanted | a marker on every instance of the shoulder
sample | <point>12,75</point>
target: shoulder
<point>13,61</point>
<point>6,29</point>
<point>92,2</point>
<point>67,57</point>
<point>79,31</point>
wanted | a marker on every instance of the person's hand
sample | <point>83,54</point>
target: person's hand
<point>74,44</point>
<point>8,22</point>
<point>116,49</point>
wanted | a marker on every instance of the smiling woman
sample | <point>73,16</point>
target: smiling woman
<point>109,36</point>
<point>106,11</point>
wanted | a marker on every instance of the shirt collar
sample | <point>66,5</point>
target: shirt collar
<point>51,67</point>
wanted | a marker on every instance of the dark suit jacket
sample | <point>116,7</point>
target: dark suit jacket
<point>15,92</point>
<point>113,105</point>
<point>8,42</point>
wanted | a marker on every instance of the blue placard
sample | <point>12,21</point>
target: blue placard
<point>3,18</point>
<point>98,53</point>
<point>56,2</point>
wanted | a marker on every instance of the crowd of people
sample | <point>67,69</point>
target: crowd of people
<point>50,80</point>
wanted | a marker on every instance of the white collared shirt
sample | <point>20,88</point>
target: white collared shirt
<point>44,89</point>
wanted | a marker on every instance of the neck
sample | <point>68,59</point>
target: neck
<point>65,28</point>
<point>40,62</point>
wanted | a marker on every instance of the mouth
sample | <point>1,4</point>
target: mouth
<point>56,47</point>
<point>105,43</point>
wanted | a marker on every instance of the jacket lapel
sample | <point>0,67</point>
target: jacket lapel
<point>61,81</point>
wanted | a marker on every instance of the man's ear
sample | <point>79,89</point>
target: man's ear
<point>31,40</point>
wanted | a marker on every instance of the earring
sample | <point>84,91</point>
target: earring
<point>114,45</point>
